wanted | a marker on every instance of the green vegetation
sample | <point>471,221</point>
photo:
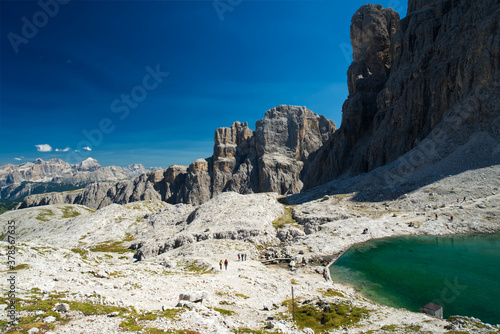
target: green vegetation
<point>329,317</point>
<point>82,251</point>
<point>171,313</point>
<point>4,207</point>
<point>44,215</point>
<point>197,268</point>
<point>69,212</point>
<point>130,325</point>
<point>286,219</point>
<point>332,293</point>
<point>241,295</point>
<point>251,331</point>
<point>34,309</point>
<point>114,247</point>
<point>224,302</point>
<point>224,311</point>
<point>21,267</point>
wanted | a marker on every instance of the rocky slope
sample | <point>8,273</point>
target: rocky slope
<point>427,84</point>
<point>18,181</point>
<point>79,256</point>
<point>269,159</point>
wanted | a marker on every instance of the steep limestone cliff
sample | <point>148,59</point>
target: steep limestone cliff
<point>431,88</point>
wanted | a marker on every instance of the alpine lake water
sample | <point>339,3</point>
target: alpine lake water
<point>460,273</point>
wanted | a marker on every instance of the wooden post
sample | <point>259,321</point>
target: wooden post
<point>293,307</point>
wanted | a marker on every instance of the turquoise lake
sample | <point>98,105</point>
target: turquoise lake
<point>460,273</point>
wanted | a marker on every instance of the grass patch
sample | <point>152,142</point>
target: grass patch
<point>69,212</point>
<point>196,267</point>
<point>130,325</point>
<point>388,328</point>
<point>36,308</point>
<point>82,251</point>
<point>250,331</point>
<point>95,309</point>
<point>224,311</point>
<point>18,267</point>
<point>326,318</point>
<point>241,296</point>
<point>4,207</point>
<point>113,247</point>
<point>224,302</point>
<point>332,293</point>
<point>171,313</point>
<point>44,215</point>
<point>285,219</point>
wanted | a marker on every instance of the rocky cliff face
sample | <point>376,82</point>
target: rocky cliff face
<point>269,159</point>
<point>426,83</point>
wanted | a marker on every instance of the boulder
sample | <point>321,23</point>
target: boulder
<point>62,307</point>
<point>193,296</point>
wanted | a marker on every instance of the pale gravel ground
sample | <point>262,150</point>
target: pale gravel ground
<point>148,286</point>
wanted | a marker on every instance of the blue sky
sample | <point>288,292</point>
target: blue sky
<point>150,81</point>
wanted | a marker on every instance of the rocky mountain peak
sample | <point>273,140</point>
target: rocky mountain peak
<point>88,164</point>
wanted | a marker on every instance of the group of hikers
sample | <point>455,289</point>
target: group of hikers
<point>241,257</point>
<point>225,264</point>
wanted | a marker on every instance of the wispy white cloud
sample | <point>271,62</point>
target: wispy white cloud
<point>62,149</point>
<point>77,150</point>
<point>43,148</point>
<point>18,159</point>
<point>86,148</point>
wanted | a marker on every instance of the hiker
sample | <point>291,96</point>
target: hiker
<point>464,198</point>
<point>238,256</point>
<point>245,257</point>
<point>365,231</point>
<point>457,200</point>
<point>225,264</point>
<point>451,218</point>
<point>220,264</point>
<point>436,216</point>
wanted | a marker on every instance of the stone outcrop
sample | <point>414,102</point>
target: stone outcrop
<point>269,159</point>
<point>426,83</point>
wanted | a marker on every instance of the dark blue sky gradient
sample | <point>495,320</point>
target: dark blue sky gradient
<point>64,80</point>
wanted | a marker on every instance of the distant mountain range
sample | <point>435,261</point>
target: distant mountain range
<point>39,176</point>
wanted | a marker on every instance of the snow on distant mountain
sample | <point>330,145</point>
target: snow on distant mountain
<point>39,176</point>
